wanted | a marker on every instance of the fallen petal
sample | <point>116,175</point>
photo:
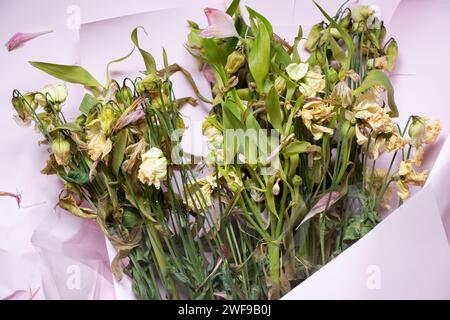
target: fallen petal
<point>10,194</point>
<point>20,38</point>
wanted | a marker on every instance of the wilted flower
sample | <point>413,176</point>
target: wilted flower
<point>133,153</point>
<point>313,82</point>
<point>395,141</point>
<point>408,176</point>
<point>153,168</point>
<point>220,25</point>
<point>313,37</point>
<point>377,147</point>
<point>20,38</point>
<point>56,93</point>
<point>378,63</point>
<point>61,151</point>
<point>374,116</point>
<point>22,106</point>
<point>360,137</point>
<point>214,141</point>
<point>280,84</point>
<point>296,71</point>
<point>362,13</point>
<point>234,182</point>
<point>234,61</point>
<point>420,131</point>
<point>343,94</point>
<point>99,146</point>
<point>198,196</point>
<point>375,181</point>
<point>314,114</point>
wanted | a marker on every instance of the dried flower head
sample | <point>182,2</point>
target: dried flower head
<point>153,168</point>
<point>314,115</point>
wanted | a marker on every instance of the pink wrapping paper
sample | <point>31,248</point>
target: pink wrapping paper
<point>42,250</point>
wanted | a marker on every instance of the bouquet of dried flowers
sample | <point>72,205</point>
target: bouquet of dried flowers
<point>309,186</point>
<point>292,155</point>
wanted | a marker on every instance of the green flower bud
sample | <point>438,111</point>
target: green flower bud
<point>417,127</point>
<point>140,88</point>
<point>381,34</point>
<point>276,188</point>
<point>151,82</point>
<point>80,120</point>
<point>124,95</point>
<point>391,54</point>
<point>313,37</point>
<point>107,117</point>
<point>332,75</point>
<point>296,181</point>
<point>23,104</point>
<point>234,61</point>
<point>61,151</point>
<point>373,37</point>
<point>280,84</point>
<point>345,21</point>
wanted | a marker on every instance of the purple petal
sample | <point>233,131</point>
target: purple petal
<point>208,73</point>
<point>20,38</point>
<point>132,117</point>
<point>220,25</point>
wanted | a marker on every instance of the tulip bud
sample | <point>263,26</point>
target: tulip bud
<point>61,151</point>
<point>234,61</point>
<point>280,84</point>
<point>391,54</point>
<point>313,37</point>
